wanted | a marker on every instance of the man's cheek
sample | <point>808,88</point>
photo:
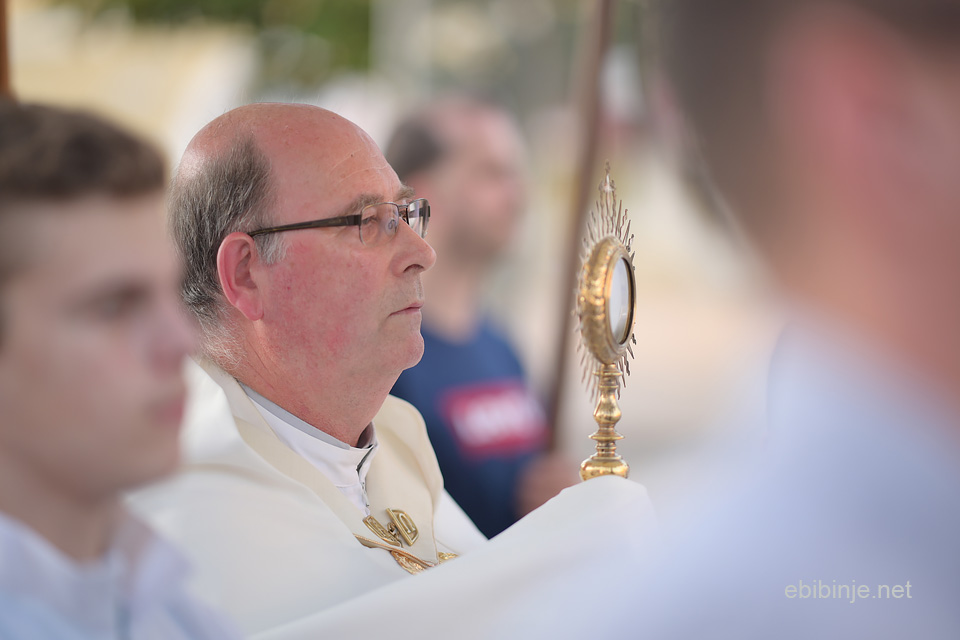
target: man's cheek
<point>338,342</point>
<point>349,328</point>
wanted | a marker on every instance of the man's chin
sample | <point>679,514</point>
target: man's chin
<point>414,352</point>
<point>398,352</point>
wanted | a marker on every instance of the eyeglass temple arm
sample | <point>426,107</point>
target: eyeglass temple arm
<point>342,221</point>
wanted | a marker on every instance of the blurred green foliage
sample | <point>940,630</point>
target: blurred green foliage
<point>302,41</point>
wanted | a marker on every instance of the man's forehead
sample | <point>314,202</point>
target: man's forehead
<point>403,194</point>
<point>351,159</point>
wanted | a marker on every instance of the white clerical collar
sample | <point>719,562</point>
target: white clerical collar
<point>345,466</point>
<point>138,571</point>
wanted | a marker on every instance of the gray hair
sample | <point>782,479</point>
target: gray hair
<point>229,192</point>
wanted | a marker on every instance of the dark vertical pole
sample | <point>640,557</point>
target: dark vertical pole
<point>587,87</point>
<point>5,89</point>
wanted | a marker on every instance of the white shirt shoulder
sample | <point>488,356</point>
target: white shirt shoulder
<point>135,591</point>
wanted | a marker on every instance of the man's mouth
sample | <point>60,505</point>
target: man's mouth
<point>411,308</point>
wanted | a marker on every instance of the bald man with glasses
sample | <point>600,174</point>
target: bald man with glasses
<point>309,495</point>
<point>306,484</point>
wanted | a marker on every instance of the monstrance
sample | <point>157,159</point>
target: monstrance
<point>606,299</point>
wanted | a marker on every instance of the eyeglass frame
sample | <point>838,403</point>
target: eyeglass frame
<point>354,219</point>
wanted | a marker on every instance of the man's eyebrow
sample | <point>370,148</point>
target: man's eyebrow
<point>359,203</point>
<point>405,193</point>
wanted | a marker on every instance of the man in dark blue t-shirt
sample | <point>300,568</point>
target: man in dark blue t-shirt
<point>487,427</point>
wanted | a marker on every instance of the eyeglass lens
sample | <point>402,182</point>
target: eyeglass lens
<point>379,222</point>
<point>418,215</point>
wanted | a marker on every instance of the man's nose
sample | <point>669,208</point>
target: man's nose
<point>416,251</point>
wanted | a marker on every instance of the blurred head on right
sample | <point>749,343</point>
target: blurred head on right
<point>831,132</point>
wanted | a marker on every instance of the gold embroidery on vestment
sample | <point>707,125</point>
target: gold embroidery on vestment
<point>403,525</point>
<point>409,562</point>
<point>381,532</point>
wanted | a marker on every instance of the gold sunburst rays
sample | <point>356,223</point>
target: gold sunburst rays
<point>608,237</point>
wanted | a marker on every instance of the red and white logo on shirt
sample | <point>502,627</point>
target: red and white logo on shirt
<point>495,418</point>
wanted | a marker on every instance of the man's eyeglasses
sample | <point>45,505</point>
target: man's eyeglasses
<point>377,223</point>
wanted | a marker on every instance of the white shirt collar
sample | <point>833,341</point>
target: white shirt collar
<point>138,572</point>
<point>345,466</point>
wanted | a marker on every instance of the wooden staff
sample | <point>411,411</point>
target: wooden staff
<point>588,88</point>
<point>5,89</point>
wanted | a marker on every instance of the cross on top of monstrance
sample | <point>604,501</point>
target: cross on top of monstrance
<point>606,299</point>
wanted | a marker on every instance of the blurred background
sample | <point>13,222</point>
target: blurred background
<point>167,67</point>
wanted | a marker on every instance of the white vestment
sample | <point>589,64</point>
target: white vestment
<point>278,547</point>
<point>272,539</point>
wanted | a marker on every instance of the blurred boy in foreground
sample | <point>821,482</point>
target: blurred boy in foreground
<point>92,339</point>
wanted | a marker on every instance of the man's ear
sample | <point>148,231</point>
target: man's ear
<point>237,259</point>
